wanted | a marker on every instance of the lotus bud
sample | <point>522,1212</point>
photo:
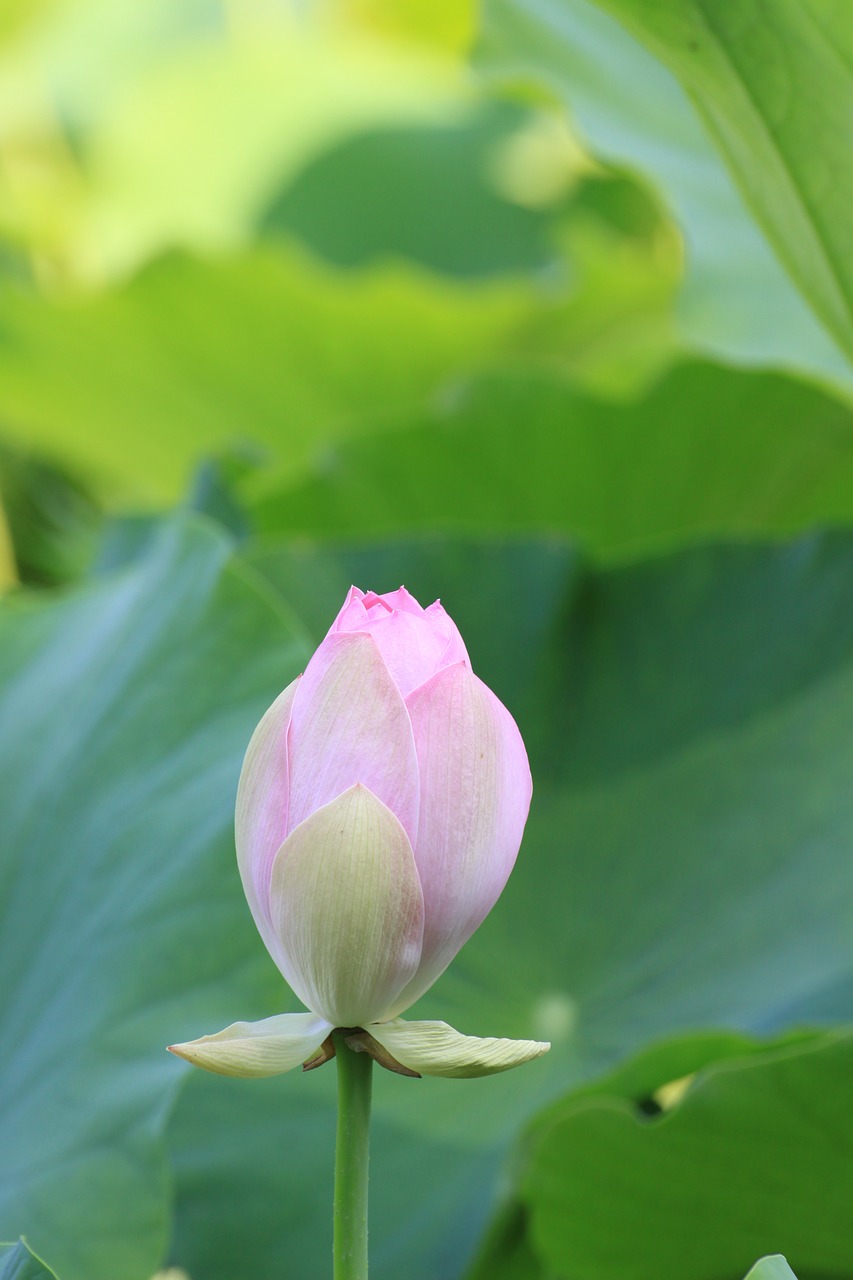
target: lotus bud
<point>379,813</point>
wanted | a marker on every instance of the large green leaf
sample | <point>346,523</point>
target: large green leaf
<point>774,85</point>
<point>708,451</point>
<point>649,1081</point>
<point>756,1157</point>
<point>125,709</point>
<point>686,866</point>
<point>738,299</point>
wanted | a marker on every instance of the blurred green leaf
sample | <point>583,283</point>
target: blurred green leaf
<point>775,90</point>
<point>614,329</point>
<point>250,108</point>
<point>652,1081</point>
<point>52,518</point>
<point>773,1267</point>
<point>426,193</point>
<point>191,357</point>
<point>272,351</point>
<point>707,452</point>
<point>8,566</point>
<point>126,135</point>
<point>18,1262</point>
<point>443,24</point>
<point>126,708</point>
<point>655,1078</point>
<point>685,866</point>
<point>253,1173</point>
<point>755,1157</point>
<point>506,1252</point>
<point>738,299</point>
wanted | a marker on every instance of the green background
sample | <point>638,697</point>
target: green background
<point>542,307</point>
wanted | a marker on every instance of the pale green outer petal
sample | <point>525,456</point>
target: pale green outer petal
<point>435,1049</point>
<point>265,1048</point>
<point>347,905</point>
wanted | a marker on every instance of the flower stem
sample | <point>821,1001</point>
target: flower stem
<point>351,1156</point>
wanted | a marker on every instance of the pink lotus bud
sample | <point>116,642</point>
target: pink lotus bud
<point>380,810</point>
<point>379,813</point>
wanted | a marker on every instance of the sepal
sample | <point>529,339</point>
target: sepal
<point>436,1049</point>
<point>254,1049</point>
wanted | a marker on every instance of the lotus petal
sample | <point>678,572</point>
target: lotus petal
<point>347,905</point>
<point>475,794</point>
<point>260,823</point>
<point>350,725</point>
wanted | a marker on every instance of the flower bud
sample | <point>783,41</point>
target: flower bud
<point>379,813</point>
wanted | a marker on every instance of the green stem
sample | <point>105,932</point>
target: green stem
<point>351,1155</point>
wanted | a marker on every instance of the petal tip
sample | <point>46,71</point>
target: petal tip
<point>186,1052</point>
